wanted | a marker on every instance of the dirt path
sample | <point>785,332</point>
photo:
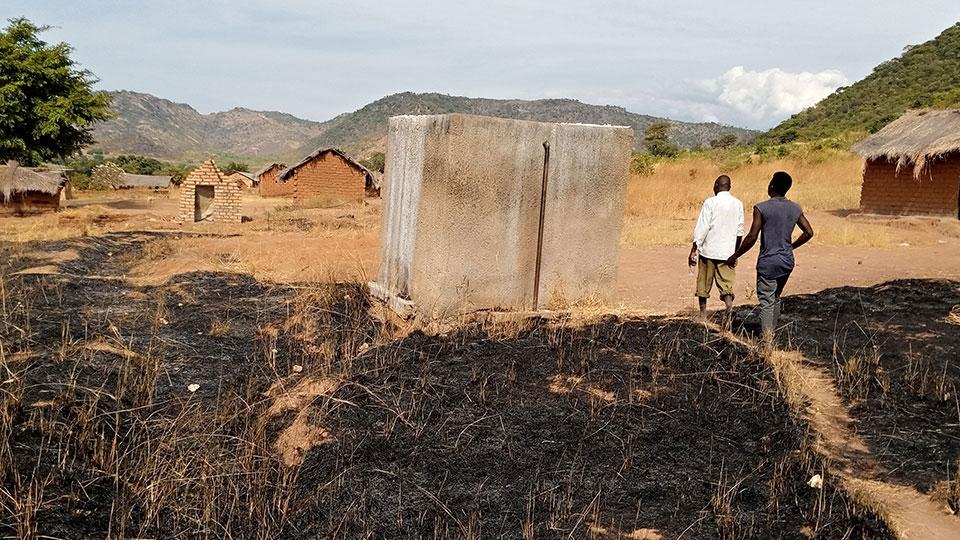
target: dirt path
<point>811,391</point>
<point>655,280</point>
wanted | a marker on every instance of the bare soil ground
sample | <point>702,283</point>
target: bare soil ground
<point>287,242</point>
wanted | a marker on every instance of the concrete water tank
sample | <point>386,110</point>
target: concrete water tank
<point>462,213</point>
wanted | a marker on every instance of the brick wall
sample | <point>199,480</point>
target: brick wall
<point>269,187</point>
<point>227,201</point>
<point>328,176</point>
<point>935,192</point>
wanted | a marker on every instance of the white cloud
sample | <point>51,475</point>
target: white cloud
<point>772,94</point>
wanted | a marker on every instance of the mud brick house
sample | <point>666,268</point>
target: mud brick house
<point>243,179</point>
<point>913,166</point>
<point>206,195</point>
<point>489,213</point>
<point>329,173</point>
<point>267,180</point>
<point>25,190</point>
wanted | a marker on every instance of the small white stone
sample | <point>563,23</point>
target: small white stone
<point>816,482</point>
<point>363,348</point>
<point>193,387</point>
<point>297,368</point>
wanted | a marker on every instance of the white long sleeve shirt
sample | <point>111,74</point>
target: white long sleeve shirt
<point>719,225</point>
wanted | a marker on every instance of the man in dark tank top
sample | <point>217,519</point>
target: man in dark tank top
<point>774,221</point>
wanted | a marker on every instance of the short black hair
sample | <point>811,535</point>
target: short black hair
<point>781,183</point>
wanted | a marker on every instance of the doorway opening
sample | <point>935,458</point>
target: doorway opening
<point>203,203</point>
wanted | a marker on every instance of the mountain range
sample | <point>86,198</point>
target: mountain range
<point>151,126</point>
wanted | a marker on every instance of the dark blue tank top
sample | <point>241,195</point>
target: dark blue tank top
<point>780,216</point>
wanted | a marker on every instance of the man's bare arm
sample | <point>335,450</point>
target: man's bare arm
<point>806,232</point>
<point>748,241</point>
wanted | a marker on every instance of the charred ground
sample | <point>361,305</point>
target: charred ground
<point>311,421</point>
<point>894,350</point>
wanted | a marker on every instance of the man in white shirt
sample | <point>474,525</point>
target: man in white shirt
<point>717,236</point>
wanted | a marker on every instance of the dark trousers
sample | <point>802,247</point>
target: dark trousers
<point>768,294</point>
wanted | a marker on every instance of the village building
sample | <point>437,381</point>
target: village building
<point>267,181</point>
<point>913,166</point>
<point>329,173</point>
<point>207,196</point>
<point>243,179</point>
<point>25,190</point>
<point>143,181</point>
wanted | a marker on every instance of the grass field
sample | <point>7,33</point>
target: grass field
<point>661,208</point>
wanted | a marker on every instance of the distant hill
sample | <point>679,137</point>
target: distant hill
<point>156,127</point>
<point>160,128</point>
<point>365,130</point>
<point>924,76</point>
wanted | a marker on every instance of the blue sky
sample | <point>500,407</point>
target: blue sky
<point>748,63</point>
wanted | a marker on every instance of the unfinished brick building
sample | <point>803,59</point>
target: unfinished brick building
<point>327,173</point>
<point>913,166</point>
<point>207,196</point>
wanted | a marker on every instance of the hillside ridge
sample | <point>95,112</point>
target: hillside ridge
<point>924,76</point>
<point>158,127</point>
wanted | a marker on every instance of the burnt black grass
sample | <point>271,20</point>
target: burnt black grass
<point>896,358</point>
<point>550,431</point>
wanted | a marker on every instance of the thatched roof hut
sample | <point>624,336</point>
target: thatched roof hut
<point>914,139</point>
<point>15,180</point>
<point>25,189</point>
<point>149,181</point>
<point>913,166</point>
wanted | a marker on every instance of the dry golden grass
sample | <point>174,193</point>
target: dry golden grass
<point>678,188</point>
<point>661,209</point>
<point>853,233</point>
<point>954,316</point>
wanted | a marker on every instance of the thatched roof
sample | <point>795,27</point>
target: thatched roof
<point>17,179</point>
<point>288,172</point>
<point>915,138</point>
<point>145,180</point>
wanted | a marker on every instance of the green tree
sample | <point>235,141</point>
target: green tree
<point>134,164</point>
<point>375,162</point>
<point>725,141</point>
<point>235,166</point>
<point>643,164</point>
<point>657,140</point>
<point>47,104</point>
